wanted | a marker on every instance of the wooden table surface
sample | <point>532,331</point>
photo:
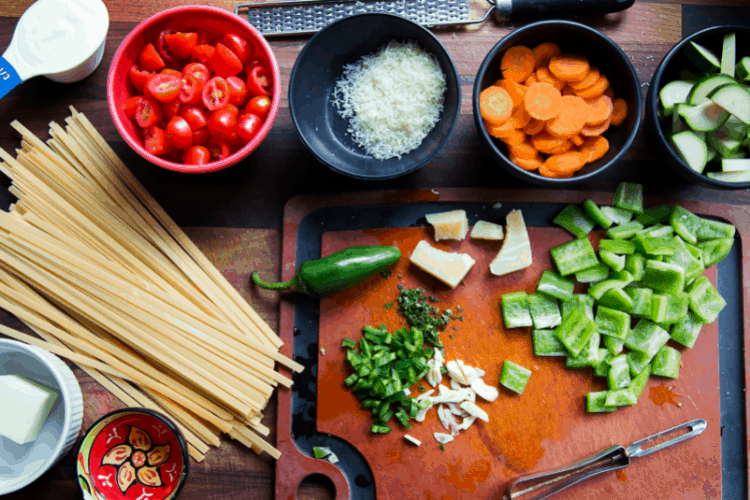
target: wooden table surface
<point>251,195</point>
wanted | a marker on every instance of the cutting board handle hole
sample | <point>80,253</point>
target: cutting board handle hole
<point>318,486</point>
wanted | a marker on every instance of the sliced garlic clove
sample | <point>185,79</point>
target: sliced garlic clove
<point>443,438</point>
<point>484,391</point>
<point>475,411</point>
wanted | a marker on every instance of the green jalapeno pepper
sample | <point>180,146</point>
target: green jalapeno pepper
<point>337,271</point>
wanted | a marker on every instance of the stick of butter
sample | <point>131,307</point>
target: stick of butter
<point>26,406</point>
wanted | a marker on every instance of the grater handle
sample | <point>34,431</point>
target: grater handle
<point>555,8</point>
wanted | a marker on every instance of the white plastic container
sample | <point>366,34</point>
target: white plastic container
<point>61,39</point>
<point>20,465</point>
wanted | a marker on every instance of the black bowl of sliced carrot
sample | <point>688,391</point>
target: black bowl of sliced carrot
<point>557,102</point>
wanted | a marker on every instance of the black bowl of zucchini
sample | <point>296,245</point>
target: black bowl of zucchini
<point>698,107</point>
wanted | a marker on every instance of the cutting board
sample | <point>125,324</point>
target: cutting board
<point>543,428</point>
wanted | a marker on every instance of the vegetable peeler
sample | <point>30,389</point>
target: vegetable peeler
<point>301,17</point>
<point>545,484</point>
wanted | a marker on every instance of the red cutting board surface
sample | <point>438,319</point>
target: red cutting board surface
<point>546,426</point>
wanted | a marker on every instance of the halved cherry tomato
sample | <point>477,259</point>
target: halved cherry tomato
<point>130,106</point>
<point>202,53</point>
<point>259,105</point>
<point>195,117</point>
<point>258,81</point>
<point>221,124</point>
<point>155,141</point>
<point>238,45</point>
<point>192,89</point>
<point>216,93</point>
<point>172,108</point>
<point>170,71</point>
<point>200,136</point>
<point>182,43</point>
<point>150,59</point>
<point>218,150</point>
<point>148,113</point>
<point>198,70</point>
<point>179,133</point>
<point>248,126</point>
<point>165,88</point>
<point>225,62</point>
<point>197,155</point>
<point>161,46</point>
<point>139,76</point>
<point>237,91</point>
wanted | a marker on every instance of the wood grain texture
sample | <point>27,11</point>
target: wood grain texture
<point>231,470</point>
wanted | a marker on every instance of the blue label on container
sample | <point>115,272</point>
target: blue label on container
<point>8,77</point>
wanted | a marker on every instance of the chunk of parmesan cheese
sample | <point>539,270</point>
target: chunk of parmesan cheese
<point>392,98</point>
<point>451,225</point>
<point>484,230</point>
<point>448,267</point>
<point>516,251</point>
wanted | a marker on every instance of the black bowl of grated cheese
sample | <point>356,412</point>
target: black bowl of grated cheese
<point>374,96</point>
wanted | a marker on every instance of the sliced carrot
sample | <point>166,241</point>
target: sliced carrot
<point>610,93</point>
<point>543,101</point>
<point>515,89</point>
<point>517,63</point>
<point>524,150</point>
<point>549,173</point>
<point>594,90</point>
<point>601,110</point>
<point>544,52</point>
<point>573,117</point>
<point>531,79</point>
<point>589,80</point>
<point>543,74</point>
<point>566,163</point>
<point>569,67</point>
<point>594,148</point>
<point>577,140</point>
<point>495,105</point>
<point>564,148</point>
<point>546,143</point>
<point>514,138</point>
<point>527,163</point>
<point>520,117</point>
<point>620,111</point>
<point>501,130</point>
<point>534,127</point>
<point>596,130</point>
<point>567,91</point>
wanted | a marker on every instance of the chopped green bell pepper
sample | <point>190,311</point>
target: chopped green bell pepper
<point>624,231</point>
<point>619,372</point>
<point>602,368</point>
<point>686,331</point>
<point>714,251</point>
<point>613,345</point>
<point>620,397</point>
<point>612,323</point>
<point>705,300</point>
<point>575,220</point>
<point>514,377</point>
<point>629,196</point>
<point>595,402</point>
<point>636,265</point>
<point>639,382</point>
<point>574,256</point>
<point>516,310</point>
<point>666,363</point>
<point>654,215</point>
<point>546,344</point>
<point>642,300</point>
<point>555,286</point>
<point>663,277</point>
<point>667,309</point>
<point>616,298</point>
<point>593,274</point>
<point>619,247</point>
<point>544,310</point>
<point>684,257</point>
<point>638,361</point>
<point>596,213</point>
<point>646,337</point>
<point>575,331</point>
<point>617,215</point>
<point>614,261</point>
<point>580,301</point>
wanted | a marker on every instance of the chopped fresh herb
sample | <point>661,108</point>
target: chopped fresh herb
<point>387,273</point>
<point>459,309</point>
<point>451,336</point>
<point>433,299</point>
<point>455,328</point>
<point>443,370</point>
<point>421,387</point>
<point>388,305</point>
<point>400,286</point>
<point>414,305</point>
<point>442,446</point>
<point>322,351</point>
<point>460,318</point>
<point>400,275</point>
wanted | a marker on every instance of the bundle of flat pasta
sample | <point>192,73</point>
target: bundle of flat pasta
<point>92,264</point>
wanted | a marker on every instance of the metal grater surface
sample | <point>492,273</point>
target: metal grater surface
<point>304,17</point>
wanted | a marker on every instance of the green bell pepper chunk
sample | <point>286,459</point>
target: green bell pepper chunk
<point>638,362</point>
<point>574,256</point>
<point>624,231</point>
<point>642,300</point>
<point>544,310</point>
<point>580,301</point>
<point>620,397</point>
<point>616,298</point>
<point>596,213</point>
<point>636,265</point>
<point>516,310</point>
<point>655,215</point>
<point>685,223</point>
<point>546,344</point>
<point>639,382</point>
<point>666,363</point>
<point>646,337</point>
<point>600,288</point>
<point>686,331</point>
<point>619,372</point>
<point>667,309</point>
<point>595,402</point>
<point>613,345</point>
<point>657,231</point>
<point>555,286</point>
<point>654,245</point>
<point>614,261</point>
<point>663,277</point>
<point>514,377</point>
<point>684,258</point>
<point>712,230</point>
<point>575,331</point>
<point>593,274</point>
<point>617,215</point>
<point>705,300</point>
<point>602,368</point>
<point>589,355</point>
<point>619,247</point>
<point>612,323</point>
<point>575,220</point>
<point>714,251</point>
<point>629,196</point>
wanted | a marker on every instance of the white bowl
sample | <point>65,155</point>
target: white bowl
<point>21,465</point>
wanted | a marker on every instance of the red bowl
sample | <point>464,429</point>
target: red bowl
<point>211,20</point>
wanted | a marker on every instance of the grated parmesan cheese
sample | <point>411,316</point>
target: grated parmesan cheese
<point>392,99</point>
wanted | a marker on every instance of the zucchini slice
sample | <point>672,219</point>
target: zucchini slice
<point>703,58</point>
<point>735,98</point>
<point>692,149</point>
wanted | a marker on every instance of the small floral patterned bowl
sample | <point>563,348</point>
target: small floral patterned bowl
<point>132,454</point>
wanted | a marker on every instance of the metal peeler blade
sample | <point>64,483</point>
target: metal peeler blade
<point>545,484</point>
